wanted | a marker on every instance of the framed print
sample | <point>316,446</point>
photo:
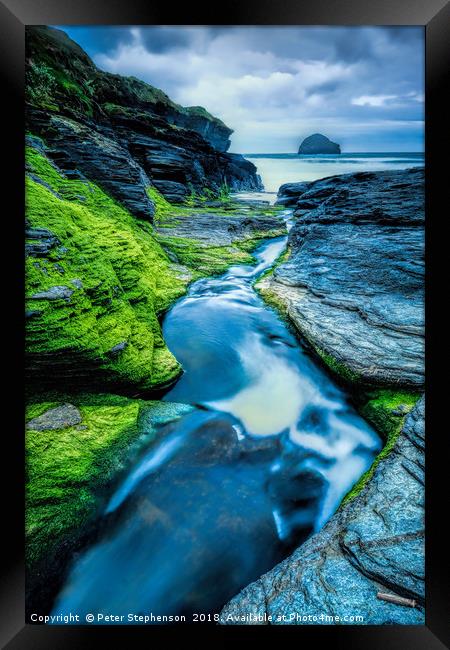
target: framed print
<point>223,298</point>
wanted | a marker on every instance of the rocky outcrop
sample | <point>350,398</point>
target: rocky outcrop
<point>318,143</point>
<point>123,133</point>
<point>231,229</point>
<point>372,544</point>
<point>289,193</point>
<point>83,152</point>
<point>353,284</point>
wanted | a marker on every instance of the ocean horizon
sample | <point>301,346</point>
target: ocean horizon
<point>276,169</point>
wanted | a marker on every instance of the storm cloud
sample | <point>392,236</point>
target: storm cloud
<point>361,86</point>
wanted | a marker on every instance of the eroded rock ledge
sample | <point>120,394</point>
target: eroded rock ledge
<point>374,543</point>
<point>353,283</point>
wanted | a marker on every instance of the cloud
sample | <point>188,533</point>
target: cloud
<point>275,85</point>
<point>374,100</point>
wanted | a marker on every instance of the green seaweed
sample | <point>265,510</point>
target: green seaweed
<point>386,409</point>
<point>337,367</point>
<point>69,469</point>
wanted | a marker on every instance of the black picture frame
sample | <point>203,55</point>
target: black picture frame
<point>434,15</point>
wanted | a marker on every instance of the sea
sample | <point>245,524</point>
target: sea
<point>278,168</point>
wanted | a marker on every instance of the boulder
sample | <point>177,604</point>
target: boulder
<point>289,193</point>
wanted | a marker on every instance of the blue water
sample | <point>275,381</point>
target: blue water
<point>230,489</point>
<point>278,168</point>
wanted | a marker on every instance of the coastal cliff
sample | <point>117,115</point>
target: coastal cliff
<point>122,133</point>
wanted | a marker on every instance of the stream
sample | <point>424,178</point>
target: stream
<point>235,485</point>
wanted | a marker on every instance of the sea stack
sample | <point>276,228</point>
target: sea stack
<point>318,143</point>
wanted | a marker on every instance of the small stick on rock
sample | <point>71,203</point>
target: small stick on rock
<point>397,600</point>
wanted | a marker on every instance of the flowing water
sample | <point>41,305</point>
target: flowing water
<point>228,490</point>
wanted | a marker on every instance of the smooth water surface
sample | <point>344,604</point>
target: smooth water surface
<point>231,488</point>
<point>276,169</point>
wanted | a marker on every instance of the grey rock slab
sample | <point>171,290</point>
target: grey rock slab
<point>39,241</point>
<point>354,282</point>
<point>213,229</point>
<point>60,417</point>
<point>54,293</point>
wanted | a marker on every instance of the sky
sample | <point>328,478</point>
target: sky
<point>363,87</point>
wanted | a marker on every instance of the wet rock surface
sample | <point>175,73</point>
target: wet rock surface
<point>372,544</point>
<point>60,417</point>
<point>289,193</point>
<point>353,284</point>
<point>210,229</point>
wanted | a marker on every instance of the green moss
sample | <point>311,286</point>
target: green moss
<point>68,469</point>
<point>337,367</point>
<point>268,295</point>
<point>386,410</point>
<point>197,197</point>
<point>163,208</point>
<point>382,408</point>
<point>63,468</point>
<point>273,300</point>
<point>120,276</point>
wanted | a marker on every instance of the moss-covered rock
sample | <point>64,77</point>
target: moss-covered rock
<point>96,281</point>
<point>71,464</point>
<point>386,410</point>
